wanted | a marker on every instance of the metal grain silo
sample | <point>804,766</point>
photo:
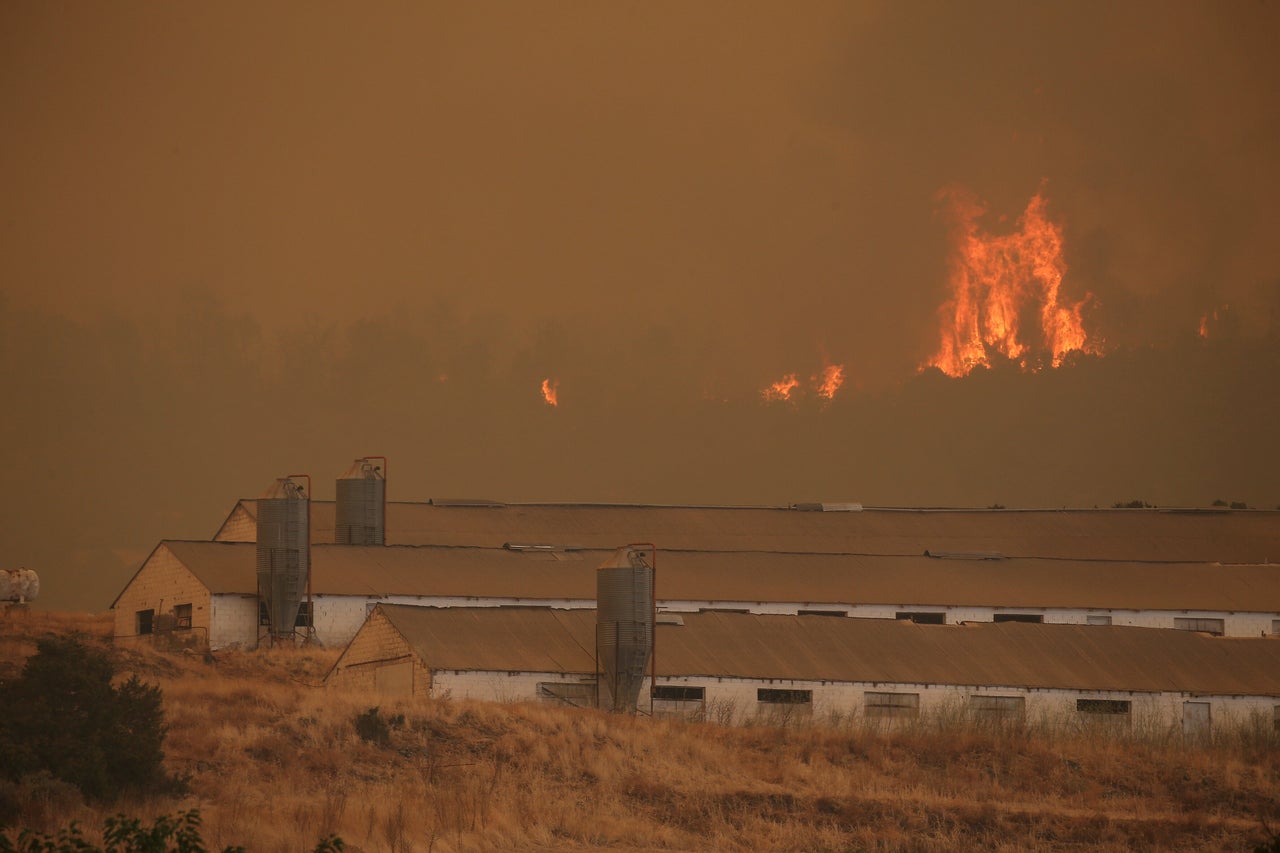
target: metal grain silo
<point>361,507</point>
<point>624,626</point>
<point>283,553</point>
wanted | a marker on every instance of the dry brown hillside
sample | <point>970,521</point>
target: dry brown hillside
<point>275,761</point>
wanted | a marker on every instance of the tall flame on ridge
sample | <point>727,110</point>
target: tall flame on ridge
<point>1000,285</point>
<point>551,392</point>
<point>780,390</point>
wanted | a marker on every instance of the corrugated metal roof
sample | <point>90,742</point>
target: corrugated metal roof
<point>815,648</point>
<point>757,577</point>
<point>1249,536</point>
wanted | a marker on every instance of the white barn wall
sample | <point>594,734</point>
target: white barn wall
<point>337,618</point>
<point>492,686</point>
<point>734,700</point>
<point>1255,624</point>
<point>235,622</point>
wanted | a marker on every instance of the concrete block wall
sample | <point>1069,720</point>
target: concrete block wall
<point>239,527</point>
<point>235,622</point>
<point>161,584</point>
<point>377,644</point>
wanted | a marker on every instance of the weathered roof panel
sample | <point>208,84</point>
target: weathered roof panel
<point>1247,536</point>
<point>761,577</point>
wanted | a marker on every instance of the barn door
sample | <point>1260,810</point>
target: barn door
<point>1195,719</point>
<point>394,680</point>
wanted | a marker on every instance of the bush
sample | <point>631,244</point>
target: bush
<point>64,716</point>
<point>374,728</point>
<point>179,833</point>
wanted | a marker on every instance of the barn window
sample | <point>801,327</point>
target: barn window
<point>997,708</point>
<point>821,613</point>
<point>1104,707</point>
<point>921,618</point>
<point>1098,619</point>
<point>264,617</point>
<point>182,616</point>
<point>304,618</point>
<point>577,694</point>
<point>1018,617</point>
<point>679,693</point>
<point>1206,626</point>
<point>892,704</point>
<point>773,696</point>
<point>144,621</point>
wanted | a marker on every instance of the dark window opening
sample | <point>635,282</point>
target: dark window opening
<point>145,621</point>
<point>1205,626</point>
<point>821,613</point>
<point>987,707</point>
<point>1103,706</point>
<point>182,616</point>
<point>679,693</point>
<point>264,616</point>
<point>577,694</point>
<point>784,697</point>
<point>1018,617</point>
<point>723,610</point>
<point>304,618</point>
<point>921,618</point>
<point>891,704</point>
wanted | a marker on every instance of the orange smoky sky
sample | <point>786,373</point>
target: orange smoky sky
<point>238,239</point>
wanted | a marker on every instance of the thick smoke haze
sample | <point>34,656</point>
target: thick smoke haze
<point>239,241</point>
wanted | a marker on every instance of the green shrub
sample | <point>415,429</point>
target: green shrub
<point>178,833</point>
<point>64,716</point>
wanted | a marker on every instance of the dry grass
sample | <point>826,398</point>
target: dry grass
<point>274,762</point>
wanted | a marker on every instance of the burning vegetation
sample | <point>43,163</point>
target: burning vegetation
<point>824,385</point>
<point>1006,299</point>
<point>781,390</point>
<point>551,392</point>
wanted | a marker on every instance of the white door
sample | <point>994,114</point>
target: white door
<point>1195,719</point>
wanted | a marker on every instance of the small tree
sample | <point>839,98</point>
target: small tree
<point>63,715</point>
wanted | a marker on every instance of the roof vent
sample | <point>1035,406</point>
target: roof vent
<point>965,555</point>
<point>827,507</point>
<point>520,546</point>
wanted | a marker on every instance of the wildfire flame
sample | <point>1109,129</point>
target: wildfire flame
<point>1209,323</point>
<point>551,391</point>
<point>780,390</point>
<point>829,381</point>
<point>1002,284</point>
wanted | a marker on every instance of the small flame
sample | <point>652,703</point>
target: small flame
<point>829,381</point>
<point>1000,283</point>
<point>780,390</point>
<point>551,392</point>
<point>1210,324</point>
